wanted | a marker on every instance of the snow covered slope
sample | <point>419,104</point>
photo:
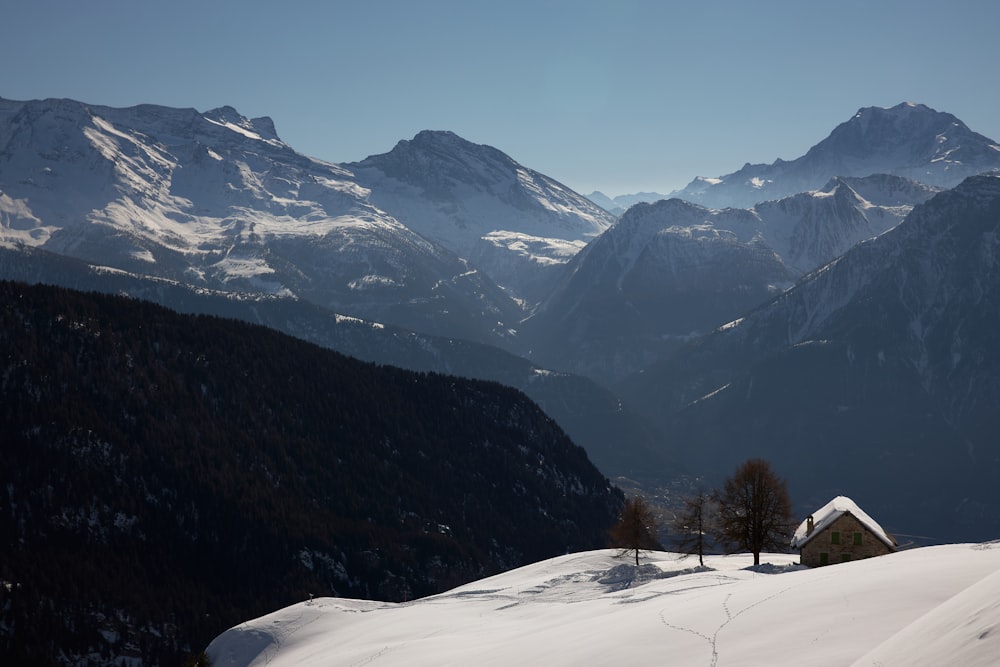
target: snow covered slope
<point>216,200</point>
<point>913,608</point>
<point>513,222</point>
<point>910,140</point>
<point>810,229</point>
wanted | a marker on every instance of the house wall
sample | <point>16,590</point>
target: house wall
<point>846,525</point>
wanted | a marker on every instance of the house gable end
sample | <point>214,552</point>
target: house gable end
<point>838,532</point>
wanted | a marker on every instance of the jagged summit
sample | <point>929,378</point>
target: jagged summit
<point>162,123</point>
<point>885,189</point>
<point>910,140</point>
<point>230,117</point>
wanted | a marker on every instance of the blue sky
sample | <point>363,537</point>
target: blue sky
<point>613,95</point>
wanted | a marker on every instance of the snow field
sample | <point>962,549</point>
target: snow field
<point>911,608</point>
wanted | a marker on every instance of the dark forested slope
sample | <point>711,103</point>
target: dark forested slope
<point>166,476</point>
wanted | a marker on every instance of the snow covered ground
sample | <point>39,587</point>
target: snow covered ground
<point>930,606</point>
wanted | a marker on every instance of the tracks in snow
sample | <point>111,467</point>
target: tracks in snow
<point>730,616</point>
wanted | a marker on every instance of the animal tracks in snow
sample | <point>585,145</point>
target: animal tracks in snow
<point>728,615</point>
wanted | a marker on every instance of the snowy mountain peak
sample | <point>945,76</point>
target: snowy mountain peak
<point>841,191</point>
<point>910,140</point>
<point>227,116</point>
<point>438,161</point>
<point>902,113</point>
<point>886,190</point>
<point>444,139</point>
<point>265,126</point>
<point>516,223</point>
<point>913,133</point>
<point>57,120</point>
<point>439,142</point>
<point>901,110</point>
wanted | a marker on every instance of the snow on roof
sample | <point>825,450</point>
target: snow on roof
<point>829,513</point>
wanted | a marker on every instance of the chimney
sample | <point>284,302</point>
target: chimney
<point>809,524</point>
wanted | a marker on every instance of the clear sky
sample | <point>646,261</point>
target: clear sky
<point>614,95</point>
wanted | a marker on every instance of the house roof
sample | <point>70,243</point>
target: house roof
<point>829,513</point>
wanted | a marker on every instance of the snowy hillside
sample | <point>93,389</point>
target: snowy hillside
<point>932,606</point>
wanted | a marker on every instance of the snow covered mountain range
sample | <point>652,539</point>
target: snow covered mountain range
<point>442,240</point>
<point>909,140</point>
<point>663,273</point>
<point>811,327</point>
<point>425,236</point>
<point>217,200</point>
<point>878,373</point>
<point>671,270</point>
<point>211,212</point>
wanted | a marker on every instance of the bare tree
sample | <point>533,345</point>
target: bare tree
<point>636,529</point>
<point>755,511</point>
<point>691,525</point>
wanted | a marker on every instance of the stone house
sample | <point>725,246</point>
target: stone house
<point>838,532</point>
